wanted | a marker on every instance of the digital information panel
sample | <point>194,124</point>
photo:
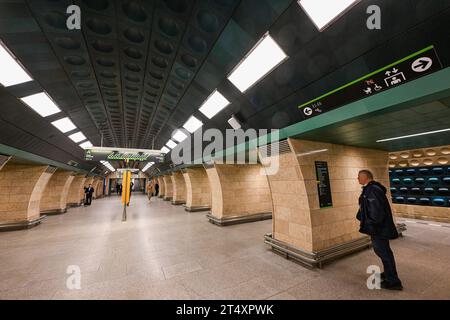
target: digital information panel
<point>118,154</point>
<point>409,68</point>
<point>323,184</point>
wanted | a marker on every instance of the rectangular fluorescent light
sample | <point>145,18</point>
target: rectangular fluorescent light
<point>324,12</point>
<point>165,150</point>
<point>171,144</point>
<point>64,125</point>
<point>148,166</point>
<point>86,145</point>
<point>12,72</point>
<point>214,104</point>
<point>77,137</point>
<point>179,136</point>
<point>234,122</point>
<point>192,124</point>
<point>414,135</point>
<point>108,165</point>
<point>261,60</point>
<point>41,103</point>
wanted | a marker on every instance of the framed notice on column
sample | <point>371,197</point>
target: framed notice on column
<point>323,184</point>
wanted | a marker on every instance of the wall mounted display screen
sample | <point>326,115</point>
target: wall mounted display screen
<point>425,186</point>
<point>323,184</point>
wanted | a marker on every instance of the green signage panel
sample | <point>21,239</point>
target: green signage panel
<point>120,154</point>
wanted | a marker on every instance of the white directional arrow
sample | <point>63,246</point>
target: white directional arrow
<point>422,64</point>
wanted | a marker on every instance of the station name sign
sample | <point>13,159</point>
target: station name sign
<point>121,154</point>
<point>409,68</point>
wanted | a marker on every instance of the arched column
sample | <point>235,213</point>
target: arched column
<point>239,193</point>
<point>21,189</point>
<point>54,198</point>
<point>302,229</point>
<point>179,188</point>
<point>76,191</point>
<point>198,192</point>
<point>162,187</point>
<point>168,188</point>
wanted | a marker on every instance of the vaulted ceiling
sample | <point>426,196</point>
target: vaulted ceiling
<point>137,70</point>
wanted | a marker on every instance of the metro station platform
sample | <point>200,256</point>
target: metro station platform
<point>163,252</point>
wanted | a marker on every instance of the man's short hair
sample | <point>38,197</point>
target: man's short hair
<point>368,174</point>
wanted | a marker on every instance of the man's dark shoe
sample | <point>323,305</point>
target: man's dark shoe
<point>382,276</point>
<point>391,286</point>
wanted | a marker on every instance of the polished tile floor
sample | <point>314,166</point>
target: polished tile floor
<point>163,252</point>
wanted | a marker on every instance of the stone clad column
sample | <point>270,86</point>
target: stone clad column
<point>198,192</point>
<point>162,187</point>
<point>301,228</point>
<point>54,198</point>
<point>179,188</point>
<point>240,193</point>
<point>76,191</point>
<point>21,189</point>
<point>168,188</point>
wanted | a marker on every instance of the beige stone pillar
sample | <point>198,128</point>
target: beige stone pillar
<point>309,232</point>
<point>168,188</point>
<point>239,193</point>
<point>179,188</point>
<point>162,187</point>
<point>21,189</point>
<point>76,191</point>
<point>198,192</point>
<point>54,198</point>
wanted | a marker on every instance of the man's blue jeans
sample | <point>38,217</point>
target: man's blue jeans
<point>383,250</point>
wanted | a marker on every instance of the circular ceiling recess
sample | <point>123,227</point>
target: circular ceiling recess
<point>105,62</point>
<point>68,43</point>
<point>103,46</point>
<point>168,26</point>
<point>132,78</point>
<point>183,74</point>
<point>178,6</point>
<point>197,44</point>
<point>56,20</point>
<point>134,35</point>
<point>98,26</point>
<point>134,11</point>
<point>177,84</point>
<point>96,4</point>
<point>80,74</point>
<point>108,74</point>
<point>189,60</point>
<point>160,62</point>
<point>133,53</point>
<point>75,60</point>
<point>132,67</point>
<point>163,46</point>
<point>157,75</point>
<point>208,22</point>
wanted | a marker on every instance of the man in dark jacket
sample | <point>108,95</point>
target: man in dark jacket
<point>89,192</point>
<point>376,220</point>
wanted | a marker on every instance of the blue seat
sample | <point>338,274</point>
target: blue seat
<point>412,200</point>
<point>425,200</point>
<point>399,199</point>
<point>446,180</point>
<point>443,191</point>
<point>404,190</point>
<point>424,171</point>
<point>420,180</point>
<point>399,172</point>
<point>407,180</point>
<point>433,180</point>
<point>393,190</point>
<point>439,201</point>
<point>438,170</point>
<point>429,190</point>
<point>411,171</point>
<point>416,190</point>
<point>396,181</point>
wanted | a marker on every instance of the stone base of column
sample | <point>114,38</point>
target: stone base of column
<point>20,225</point>
<point>319,258</point>
<point>53,212</point>
<point>239,219</point>
<point>167,198</point>
<point>198,208</point>
<point>178,203</point>
<point>74,204</point>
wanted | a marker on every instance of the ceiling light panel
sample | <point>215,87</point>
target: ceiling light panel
<point>12,72</point>
<point>41,103</point>
<point>77,137</point>
<point>179,136</point>
<point>64,125</point>
<point>214,104</point>
<point>192,124</point>
<point>260,61</point>
<point>165,150</point>
<point>324,12</point>
<point>171,144</point>
<point>86,145</point>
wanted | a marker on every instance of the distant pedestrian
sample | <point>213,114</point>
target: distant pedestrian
<point>376,220</point>
<point>89,191</point>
